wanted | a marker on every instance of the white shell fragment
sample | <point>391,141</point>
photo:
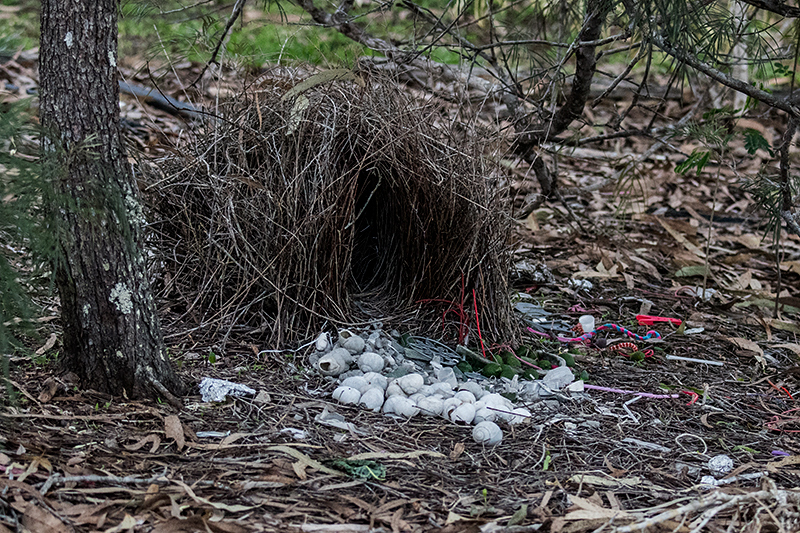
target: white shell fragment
<point>372,399</point>
<point>370,362</point>
<point>332,364</point>
<point>400,405</point>
<point>487,433</point>
<point>520,415</point>
<point>463,414</point>
<point>430,405</point>
<point>347,395</point>
<point>411,383</point>
<point>322,342</point>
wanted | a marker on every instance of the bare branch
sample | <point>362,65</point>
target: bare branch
<point>784,104</point>
<point>775,6</point>
<point>237,11</point>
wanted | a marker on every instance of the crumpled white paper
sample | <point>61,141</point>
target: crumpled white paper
<point>215,390</point>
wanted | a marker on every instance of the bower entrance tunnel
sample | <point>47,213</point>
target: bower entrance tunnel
<point>379,228</point>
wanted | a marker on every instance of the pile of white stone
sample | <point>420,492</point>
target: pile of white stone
<point>365,371</point>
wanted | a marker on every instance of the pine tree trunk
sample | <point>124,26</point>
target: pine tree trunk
<point>112,338</point>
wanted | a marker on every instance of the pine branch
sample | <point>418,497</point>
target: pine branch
<point>784,104</point>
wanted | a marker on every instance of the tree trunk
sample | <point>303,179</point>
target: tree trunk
<point>112,338</point>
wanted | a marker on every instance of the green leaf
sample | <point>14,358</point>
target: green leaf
<point>753,140</point>
<point>520,516</point>
<point>692,270</point>
<point>697,160</point>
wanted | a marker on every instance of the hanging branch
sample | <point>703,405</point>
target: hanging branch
<point>238,7</point>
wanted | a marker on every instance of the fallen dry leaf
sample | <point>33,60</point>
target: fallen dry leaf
<point>173,429</point>
<point>750,346</point>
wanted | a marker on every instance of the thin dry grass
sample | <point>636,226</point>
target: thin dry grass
<point>339,205</point>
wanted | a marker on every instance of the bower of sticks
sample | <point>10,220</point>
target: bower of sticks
<point>331,200</point>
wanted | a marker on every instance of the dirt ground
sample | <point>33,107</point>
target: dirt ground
<point>600,461</point>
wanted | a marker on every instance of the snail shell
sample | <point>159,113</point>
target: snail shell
<point>346,395</point>
<point>411,383</point>
<point>463,414</point>
<point>372,399</point>
<point>472,387</point>
<point>400,405</point>
<point>370,362</point>
<point>332,364</point>
<point>484,413</point>
<point>376,380</point>
<point>465,396</point>
<point>487,433</point>
<point>357,382</point>
<point>430,405</point>
<point>520,415</point>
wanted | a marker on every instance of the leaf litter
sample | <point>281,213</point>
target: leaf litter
<point>82,461</point>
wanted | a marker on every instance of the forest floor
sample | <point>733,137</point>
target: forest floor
<point>604,461</point>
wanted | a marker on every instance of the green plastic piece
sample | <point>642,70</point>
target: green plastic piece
<point>569,359</point>
<point>465,367</point>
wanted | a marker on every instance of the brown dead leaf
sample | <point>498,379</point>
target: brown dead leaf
<point>49,389</point>
<point>51,341</point>
<point>750,346</point>
<point>173,429</point>
<point>458,449</point>
<point>588,510</point>
<point>648,268</point>
<point>35,518</point>
<point>789,346</point>
<point>155,439</point>
<point>681,239</point>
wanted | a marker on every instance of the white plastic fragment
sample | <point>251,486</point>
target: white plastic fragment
<point>587,323</point>
<point>347,395</point>
<point>558,378</point>
<point>215,390</point>
<point>322,342</point>
<point>487,433</point>
<point>370,362</point>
